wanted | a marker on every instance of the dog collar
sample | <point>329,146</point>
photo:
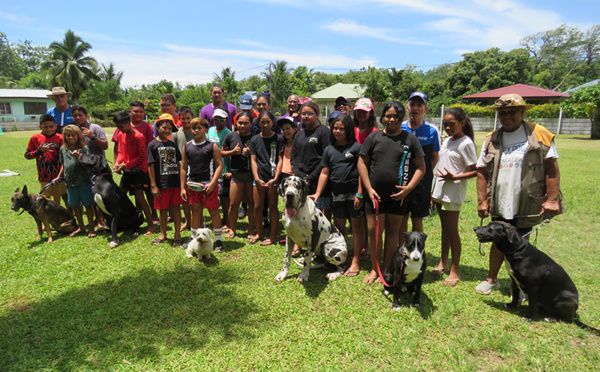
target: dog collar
<point>103,174</point>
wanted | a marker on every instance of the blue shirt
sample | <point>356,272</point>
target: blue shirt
<point>61,118</point>
<point>429,137</point>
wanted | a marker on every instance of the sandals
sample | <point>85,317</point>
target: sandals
<point>370,279</point>
<point>351,274</point>
<point>157,241</point>
<point>438,271</point>
<point>297,252</point>
<point>176,242</point>
<point>254,239</point>
<point>266,242</point>
<point>451,282</point>
<point>230,234</point>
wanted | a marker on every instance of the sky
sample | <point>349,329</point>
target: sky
<point>189,41</point>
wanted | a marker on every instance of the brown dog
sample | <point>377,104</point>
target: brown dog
<point>44,211</point>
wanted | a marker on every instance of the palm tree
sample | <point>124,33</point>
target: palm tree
<point>69,66</point>
<point>109,73</point>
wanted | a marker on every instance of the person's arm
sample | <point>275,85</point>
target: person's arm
<point>98,138</point>
<point>482,202</point>
<point>153,187</point>
<point>448,176</point>
<point>34,149</point>
<point>183,174</point>
<point>435,156</point>
<point>278,169</point>
<point>551,205</point>
<point>363,170</point>
<point>219,162</point>
<point>415,179</point>
<point>254,166</point>
<point>323,178</point>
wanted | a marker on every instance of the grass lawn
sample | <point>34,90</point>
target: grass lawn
<point>76,304</point>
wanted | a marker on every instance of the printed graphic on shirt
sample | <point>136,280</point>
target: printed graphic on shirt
<point>167,160</point>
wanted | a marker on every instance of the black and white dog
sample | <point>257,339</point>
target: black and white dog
<point>407,268</point>
<point>544,281</point>
<point>306,226</point>
<point>119,211</point>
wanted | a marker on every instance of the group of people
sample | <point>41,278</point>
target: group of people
<point>354,170</point>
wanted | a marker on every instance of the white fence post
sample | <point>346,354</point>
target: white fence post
<point>560,119</point>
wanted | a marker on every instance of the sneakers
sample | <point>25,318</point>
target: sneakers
<point>219,247</point>
<point>485,288</point>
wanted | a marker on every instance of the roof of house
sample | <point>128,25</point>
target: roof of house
<point>524,90</point>
<point>350,91</point>
<point>24,93</point>
<point>588,84</point>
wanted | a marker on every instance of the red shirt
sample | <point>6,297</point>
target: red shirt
<point>361,137</point>
<point>48,163</point>
<point>132,151</point>
<point>144,128</point>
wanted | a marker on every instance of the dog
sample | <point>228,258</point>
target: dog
<point>532,271</point>
<point>308,227</point>
<point>119,211</point>
<point>407,268</point>
<point>44,211</point>
<point>201,246</point>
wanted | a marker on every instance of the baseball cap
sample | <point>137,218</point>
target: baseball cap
<point>420,95</point>
<point>246,102</point>
<point>342,101</point>
<point>364,104</point>
<point>167,117</point>
<point>220,113</point>
<point>334,115</point>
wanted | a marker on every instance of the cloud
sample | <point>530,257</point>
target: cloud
<point>16,18</point>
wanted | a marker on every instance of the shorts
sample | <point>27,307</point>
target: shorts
<point>242,177</point>
<point>168,197</point>
<point>447,206</point>
<point>209,201</point>
<point>224,183</point>
<point>345,209</point>
<point>136,181</point>
<point>80,195</point>
<point>513,222</point>
<point>387,207</point>
<point>54,191</point>
<point>418,203</point>
<point>324,202</point>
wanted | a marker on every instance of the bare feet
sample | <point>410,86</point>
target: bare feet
<point>371,277</point>
<point>184,227</point>
<point>150,230</point>
<point>77,232</point>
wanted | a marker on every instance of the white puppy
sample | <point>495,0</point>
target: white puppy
<point>201,244</point>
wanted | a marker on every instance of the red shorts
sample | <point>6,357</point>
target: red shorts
<point>209,201</point>
<point>168,197</point>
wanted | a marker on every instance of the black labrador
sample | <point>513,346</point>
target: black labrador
<point>544,281</point>
<point>119,211</point>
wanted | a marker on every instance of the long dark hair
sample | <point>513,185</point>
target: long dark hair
<point>398,106</point>
<point>348,128</point>
<point>460,115</point>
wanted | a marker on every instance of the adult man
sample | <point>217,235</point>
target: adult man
<point>429,138</point>
<point>518,180</point>
<point>167,106</point>
<point>218,99</point>
<point>293,106</point>
<point>62,112</point>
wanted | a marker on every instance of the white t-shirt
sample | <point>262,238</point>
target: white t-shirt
<point>508,184</point>
<point>456,156</point>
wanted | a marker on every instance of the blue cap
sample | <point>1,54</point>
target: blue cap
<point>246,102</point>
<point>334,115</point>
<point>420,95</point>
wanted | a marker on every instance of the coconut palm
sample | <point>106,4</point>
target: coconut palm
<point>110,73</point>
<point>68,65</point>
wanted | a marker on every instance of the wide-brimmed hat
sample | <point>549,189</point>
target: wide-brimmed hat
<point>168,117</point>
<point>510,100</point>
<point>57,91</point>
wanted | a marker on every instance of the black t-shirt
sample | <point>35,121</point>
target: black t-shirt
<point>267,151</point>
<point>342,161</point>
<point>239,163</point>
<point>166,157</point>
<point>391,160</point>
<point>307,153</point>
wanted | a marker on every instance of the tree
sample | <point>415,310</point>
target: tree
<point>69,66</point>
<point>229,84</point>
<point>303,81</point>
<point>11,66</point>
<point>591,54</point>
<point>591,97</point>
<point>374,81</point>
<point>278,78</point>
<point>108,73</point>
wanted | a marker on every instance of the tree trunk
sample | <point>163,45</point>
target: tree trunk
<point>596,123</point>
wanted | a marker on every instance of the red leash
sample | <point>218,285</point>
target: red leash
<point>377,251</point>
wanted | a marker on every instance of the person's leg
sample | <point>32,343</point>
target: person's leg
<point>197,210</point>
<point>89,210</point>
<point>235,197</point>
<point>392,227</point>
<point>162,219</point>
<point>274,214</point>
<point>79,216</point>
<point>150,200</point>
<point>248,191</point>
<point>187,215</point>
<point>358,237</point>
<point>453,237</point>
<point>402,229</point>
<point>225,203</point>
<point>373,235</point>
<point>443,264</point>
<point>259,202</point>
<point>417,224</point>
<point>176,213</point>
<point>141,201</point>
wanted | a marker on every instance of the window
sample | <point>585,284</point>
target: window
<point>35,108</point>
<point>5,108</point>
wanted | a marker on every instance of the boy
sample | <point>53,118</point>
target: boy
<point>163,169</point>
<point>45,148</point>
<point>133,161</point>
<point>181,137</point>
<point>203,190</point>
<point>217,134</point>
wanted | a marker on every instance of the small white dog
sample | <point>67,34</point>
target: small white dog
<point>201,244</point>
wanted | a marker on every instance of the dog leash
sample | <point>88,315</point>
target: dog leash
<point>46,186</point>
<point>481,250</point>
<point>377,251</point>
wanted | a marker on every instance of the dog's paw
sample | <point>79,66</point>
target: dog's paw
<point>136,234</point>
<point>113,244</point>
<point>281,276</point>
<point>550,320</point>
<point>303,277</point>
<point>528,319</point>
<point>333,276</point>
<point>396,307</point>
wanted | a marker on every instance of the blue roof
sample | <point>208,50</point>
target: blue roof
<point>588,84</point>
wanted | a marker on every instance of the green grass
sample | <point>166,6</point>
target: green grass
<point>76,304</point>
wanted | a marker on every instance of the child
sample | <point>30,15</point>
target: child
<point>457,163</point>
<point>195,173</point>
<point>163,170</point>
<point>235,146</point>
<point>132,160</point>
<point>79,186</point>
<point>339,165</point>
<point>45,149</point>
<point>289,128</point>
<point>266,156</point>
<point>217,134</point>
<point>390,166</point>
<point>181,137</point>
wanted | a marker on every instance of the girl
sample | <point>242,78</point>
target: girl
<point>289,128</point>
<point>339,165</point>
<point>364,119</point>
<point>390,166</point>
<point>79,186</point>
<point>266,156</point>
<point>457,163</point>
<point>235,146</point>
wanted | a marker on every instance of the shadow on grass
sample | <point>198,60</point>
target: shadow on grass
<point>426,309</point>
<point>138,317</point>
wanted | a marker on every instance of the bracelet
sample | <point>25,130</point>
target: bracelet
<point>360,196</point>
<point>93,137</point>
<point>481,202</point>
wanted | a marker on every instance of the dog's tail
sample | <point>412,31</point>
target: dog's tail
<point>582,325</point>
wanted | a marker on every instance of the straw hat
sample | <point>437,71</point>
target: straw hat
<point>57,91</point>
<point>510,100</point>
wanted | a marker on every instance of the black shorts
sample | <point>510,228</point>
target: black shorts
<point>513,222</point>
<point>135,181</point>
<point>224,185</point>
<point>345,209</point>
<point>419,202</point>
<point>387,206</point>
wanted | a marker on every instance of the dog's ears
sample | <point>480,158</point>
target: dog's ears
<point>304,190</point>
<point>24,189</point>
<point>512,235</point>
<point>423,235</point>
<point>405,234</point>
<point>17,190</point>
